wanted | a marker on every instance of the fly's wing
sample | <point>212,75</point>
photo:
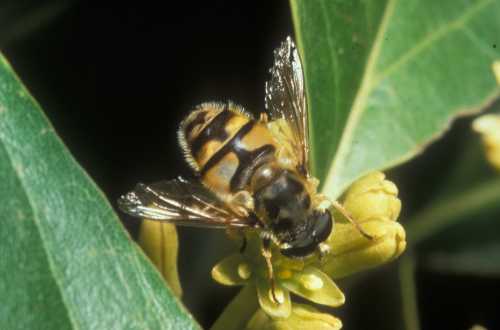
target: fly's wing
<point>179,202</point>
<point>286,102</point>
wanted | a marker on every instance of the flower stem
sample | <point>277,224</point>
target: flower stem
<point>408,292</point>
<point>451,211</point>
<point>239,311</point>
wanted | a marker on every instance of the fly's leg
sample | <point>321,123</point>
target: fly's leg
<point>323,251</point>
<point>243,244</point>
<point>266,253</point>
<point>238,235</point>
<point>241,203</point>
<point>346,214</point>
<point>324,203</point>
<point>263,118</point>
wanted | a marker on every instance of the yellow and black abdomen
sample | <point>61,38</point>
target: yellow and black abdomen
<point>225,146</point>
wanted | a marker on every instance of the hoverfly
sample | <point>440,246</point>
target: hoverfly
<point>253,173</point>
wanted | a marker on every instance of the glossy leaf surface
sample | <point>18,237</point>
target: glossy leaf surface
<point>66,261</point>
<point>385,78</point>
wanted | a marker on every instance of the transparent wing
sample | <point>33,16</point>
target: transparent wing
<point>180,202</point>
<point>286,99</point>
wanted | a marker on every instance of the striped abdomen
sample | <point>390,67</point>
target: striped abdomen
<point>225,146</point>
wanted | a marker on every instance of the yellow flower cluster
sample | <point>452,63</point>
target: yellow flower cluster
<point>373,202</point>
<point>488,126</point>
<point>302,317</point>
<point>159,242</point>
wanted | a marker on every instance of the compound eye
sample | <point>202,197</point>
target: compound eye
<point>320,229</point>
<point>300,249</point>
<point>323,225</point>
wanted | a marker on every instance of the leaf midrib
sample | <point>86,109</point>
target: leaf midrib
<point>335,66</point>
<point>371,79</point>
<point>431,38</point>
<point>359,102</point>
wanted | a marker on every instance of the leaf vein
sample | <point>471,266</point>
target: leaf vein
<point>432,38</point>
<point>485,49</point>
<point>50,262</point>
<point>334,61</point>
<point>358,105</point>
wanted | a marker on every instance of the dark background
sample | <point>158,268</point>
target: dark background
<point>116,81</point>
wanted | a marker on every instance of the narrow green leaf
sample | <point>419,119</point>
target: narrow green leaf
<point>66,261</point>
<point>20,19</point>
<point>469,245</point>
<point>408,288</point>
<point>475,260</point>
<point>455,209</point>
<point>384,78</point>
<point>457,233</point>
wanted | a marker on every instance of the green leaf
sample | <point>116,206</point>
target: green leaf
<point>457,232</point>
<point>453,210</point>
<point>21,19</point>
<point>384,78</point>
<point>408,289</point>
<point>467,193</point>
<point>66,260</point>
<point>468,245</point>
<point>477,260</point>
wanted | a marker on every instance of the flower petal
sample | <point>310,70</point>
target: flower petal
<point>347,238</point>
<point>302,317</point>
<point>489,128</point>
<point>159,242</point>
<point>373,196</point>
<point>232,270</point>
<point>267,303</point>
<point>496,70</point>
<point>360,253</point>
<point>316,286</point>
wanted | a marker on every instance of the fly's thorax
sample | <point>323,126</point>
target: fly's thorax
<point>264,175</point>
<point>284,204</point>
<point>281,200</point>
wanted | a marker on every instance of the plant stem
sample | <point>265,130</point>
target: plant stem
<point>239,311</point>
<point>452,211</point>
<point>408,292</point>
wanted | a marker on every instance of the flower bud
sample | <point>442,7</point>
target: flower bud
<point>232,270</point>
<point>354,254</point>
<point>301,317</point>
<point>373,203</point>
<point>477,327</point>
<point>160,243</point>
<point>496,70</point>
<point>488,126</point>
<point>373,197</point>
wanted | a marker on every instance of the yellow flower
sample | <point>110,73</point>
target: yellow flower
<point>496,70</point>
<point>293,276</point>
<point>159,242</point>
<point>302,317</point>
<point>373,202</point>
<point>488,126</point>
